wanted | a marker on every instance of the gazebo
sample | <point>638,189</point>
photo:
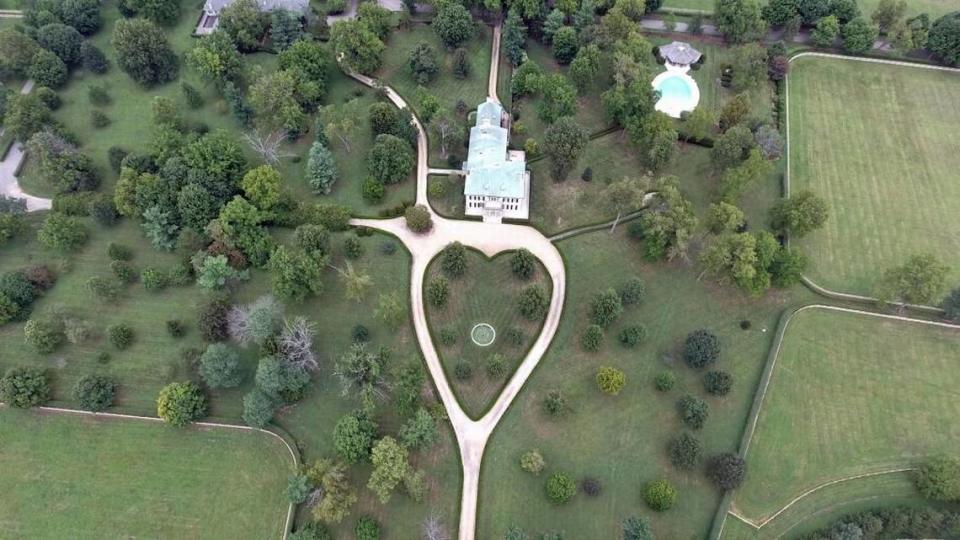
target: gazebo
<point>679,53</point>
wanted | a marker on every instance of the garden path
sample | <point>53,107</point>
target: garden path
<point>10,166</point>
<point>489,238</point>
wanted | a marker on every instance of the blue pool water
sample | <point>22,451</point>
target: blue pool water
<point>674,88</point>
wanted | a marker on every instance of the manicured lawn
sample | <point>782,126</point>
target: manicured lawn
<point>79,477</point>
<point>850,394</point>
<point>621,440</point>
<point>447,88</point>
<point>934,8</point>
<point>487,293</point>
<point>875,142</point>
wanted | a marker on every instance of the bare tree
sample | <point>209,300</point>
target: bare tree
<point>433,528</point>
<point>296,344</point>
<point>447,128</point>
<point>254,322</point>
<point>267,145</point>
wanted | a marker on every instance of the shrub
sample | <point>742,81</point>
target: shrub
<point>119,252</point>
<point>98,119</point>
<point>24,387</point>
<point>153,279</point>
<point>685,451</point>
<point>938,479</point>
<point>463,371</point>
<point>632,336</point>
<point>120,335</point>
<point>693,411</point>
<point>591,486</point>
<point>515,337</point>
<point>701,349</point>
<point>353,437</point>
<point>102,209</point>
<point>448,336</point>
<point>44,335</point>
<point>220,366</point>
<point>372,190</point>
<point>352,248</point>
<point>360,334</point>
<point>659,495</point>
<point>533,302</point>
<point>726,470</point>
<point>632,291</point>
<point>665,381</point>
<point>438,290</point>
<point>98,95</point>
<point>176,328</point>
<point>93,58</point>
<point>461,63</point>
<point>610,380</point>
<point>605,307</point>
<point>124,271</point>
<point>180,403</point>
<point>418,219</point>
<point>555,404</point>
<point>453,260</point>
<point>523,264</point>
<point>592,338</point>
<point>94,392</point>
<point>40,276</point>
<point>212,320</point>
<point>532,461</point>
<point>717,383</point>
<point>560,488</point>
<point>366,529</point>
<point>48,97</point>
<point>63,233</point>
<point>496,366</point>
<point>587,175</point>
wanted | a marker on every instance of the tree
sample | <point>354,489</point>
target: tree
<point>284,29</point>
<point>62,40</point>
<point>220,366</point>
<point>295,274</point>
<point>423,63</point>
<point>657,139</point>
<point>724,218</point>
<point>418,218</point>
<point>448,129</point>
<point>420,431</point>
<point>143,51</point>
<point>560,488</point>
<point>390,467</point>
<point>333,494</point>
<point>740,20</point>
<point>888,14</point>
<point>453,24</point>
<point>24,387</point>
<point>453,260</point>
<point>533,302</point>
<point>668,225</point>
<point>585,67</point>
<point>16,51</point>
<point>637,528</point>
<point>938,479</point>
<point>559,98</point>
<point>605,307</point>
<point>47,69</point>
<point>353,437</point>
<point>592,338</point>
<point>659,495</point>
<point>215,273</point>
<point>944,38</point>
<point>526,79</point>
<point>737,179</point>
<point>826,32</point>
<point>258,408</point>
<point>912,34</point>
<point>359,47</point>
<point>513,39</point>
<point>769,142</point>
<point>532,461</point>
<point>564,143</point>
<point>717,383</point>
<point>215,58</point>
<point>858,36</point>
<point>321,169</point>
<point>240,224</point>
<point>62,233</point>
<point>261,185</point>
<point>731,147</point>
<point>274,98</point>
<point>362,372</point>
<point>26,115</point>
<point>799,215</point>
<point>283,381</point>
<point>244,23</point>
<point>94,392</point>
<point>309,63</point>
<point>919,281</point>
<point>523,264</point>
<point>565,45</point>
<point>693,411</point>
<point>120,335</point>
<point>366,528</point>
<point>390,160</point>
<point>726,470</point>
<point>180,403</point>
<point>951,305</point>
<point>552,24</point>
<point>749,66</point>
<point>735,111</point>
<point>584,16</point>
<point>610,380</point>
<point>685,451</point>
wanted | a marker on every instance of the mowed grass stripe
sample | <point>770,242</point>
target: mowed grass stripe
<point>117,478</point>
<point>875,141</point>
<point>851,394</point>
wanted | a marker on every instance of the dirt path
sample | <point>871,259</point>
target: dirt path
<point>489,238</point>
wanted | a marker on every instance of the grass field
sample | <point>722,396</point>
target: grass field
<point>934,8</point>
<point>621,440</point>
<point>486,294</point>
<point>850,394</point>
<point>80,477</point>
<point>874,140</point>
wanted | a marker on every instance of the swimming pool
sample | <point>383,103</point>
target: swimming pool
<point>678,93</point>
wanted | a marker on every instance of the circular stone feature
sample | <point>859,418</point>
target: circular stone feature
<point>483,335</point>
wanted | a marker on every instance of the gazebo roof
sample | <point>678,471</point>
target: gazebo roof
<point>680,53</point>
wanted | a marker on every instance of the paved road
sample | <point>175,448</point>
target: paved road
<point>489,238</point>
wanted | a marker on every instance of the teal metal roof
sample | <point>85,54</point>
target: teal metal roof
<point>488,171</point>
